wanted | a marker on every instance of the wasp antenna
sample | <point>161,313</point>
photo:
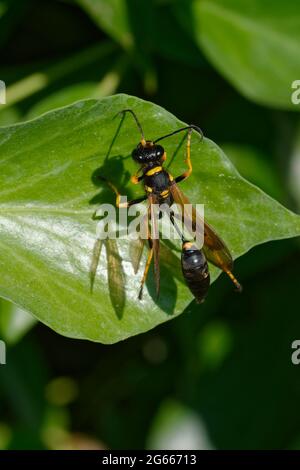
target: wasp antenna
<point>196,128</point>
<point>124,111</point>
<point>187,128</point>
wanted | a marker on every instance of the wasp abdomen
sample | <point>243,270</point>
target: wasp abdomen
<point>195,271</point>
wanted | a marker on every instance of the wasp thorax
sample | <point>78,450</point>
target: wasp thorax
<point>148,153</point>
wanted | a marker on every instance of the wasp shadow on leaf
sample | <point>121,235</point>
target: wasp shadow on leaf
<point>111,169</point>
<point>115,273</point>
<point>112,165</point>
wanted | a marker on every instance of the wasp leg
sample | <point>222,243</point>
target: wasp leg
<point>188,161</point>
<point>122,205</point>
<point>119,204</point>
<point>135,179</point>
<point>172,218</point>
<point>149,258</point>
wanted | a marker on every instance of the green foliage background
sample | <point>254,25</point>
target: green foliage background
<point>221,376</point>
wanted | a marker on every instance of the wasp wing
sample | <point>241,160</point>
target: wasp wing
<point>214,248</point>
<point>154,237</point>
<point>136,246</point>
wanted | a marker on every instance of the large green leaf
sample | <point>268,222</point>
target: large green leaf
<point>112,17</point>
<point>253,43</point>
<point>48,195</point>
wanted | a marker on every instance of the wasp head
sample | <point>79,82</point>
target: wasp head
<point>148,152</point>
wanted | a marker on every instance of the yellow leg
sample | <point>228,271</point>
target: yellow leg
<point>187,160</point>
<point>188,154</point>
<point>148,262</point>
<point>135,179</point>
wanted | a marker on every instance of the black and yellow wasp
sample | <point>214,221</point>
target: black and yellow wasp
<point>162,188</point>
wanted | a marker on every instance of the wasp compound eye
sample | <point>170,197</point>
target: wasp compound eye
<point>159,151</point>
<point>138,153</point>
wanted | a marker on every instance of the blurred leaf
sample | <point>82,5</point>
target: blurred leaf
<point>22,383</point>
<point>177,427</point>
<point>3,8</point>
<point>247,40</point>
<point>56,426</point>
<point>79,441</point>
<point>62,98</point>
<point>47,234</point>
<point>121,20</point>
<point>158,32</point>
<point>112,17</point>
<point>80,91</point>
<point>39,80</point>
<point>294,168</point>
<point>171,40</point>
<point>5,436</point>
<point>61,391</point>
<point>214,344</point>
<point>14,322</point>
